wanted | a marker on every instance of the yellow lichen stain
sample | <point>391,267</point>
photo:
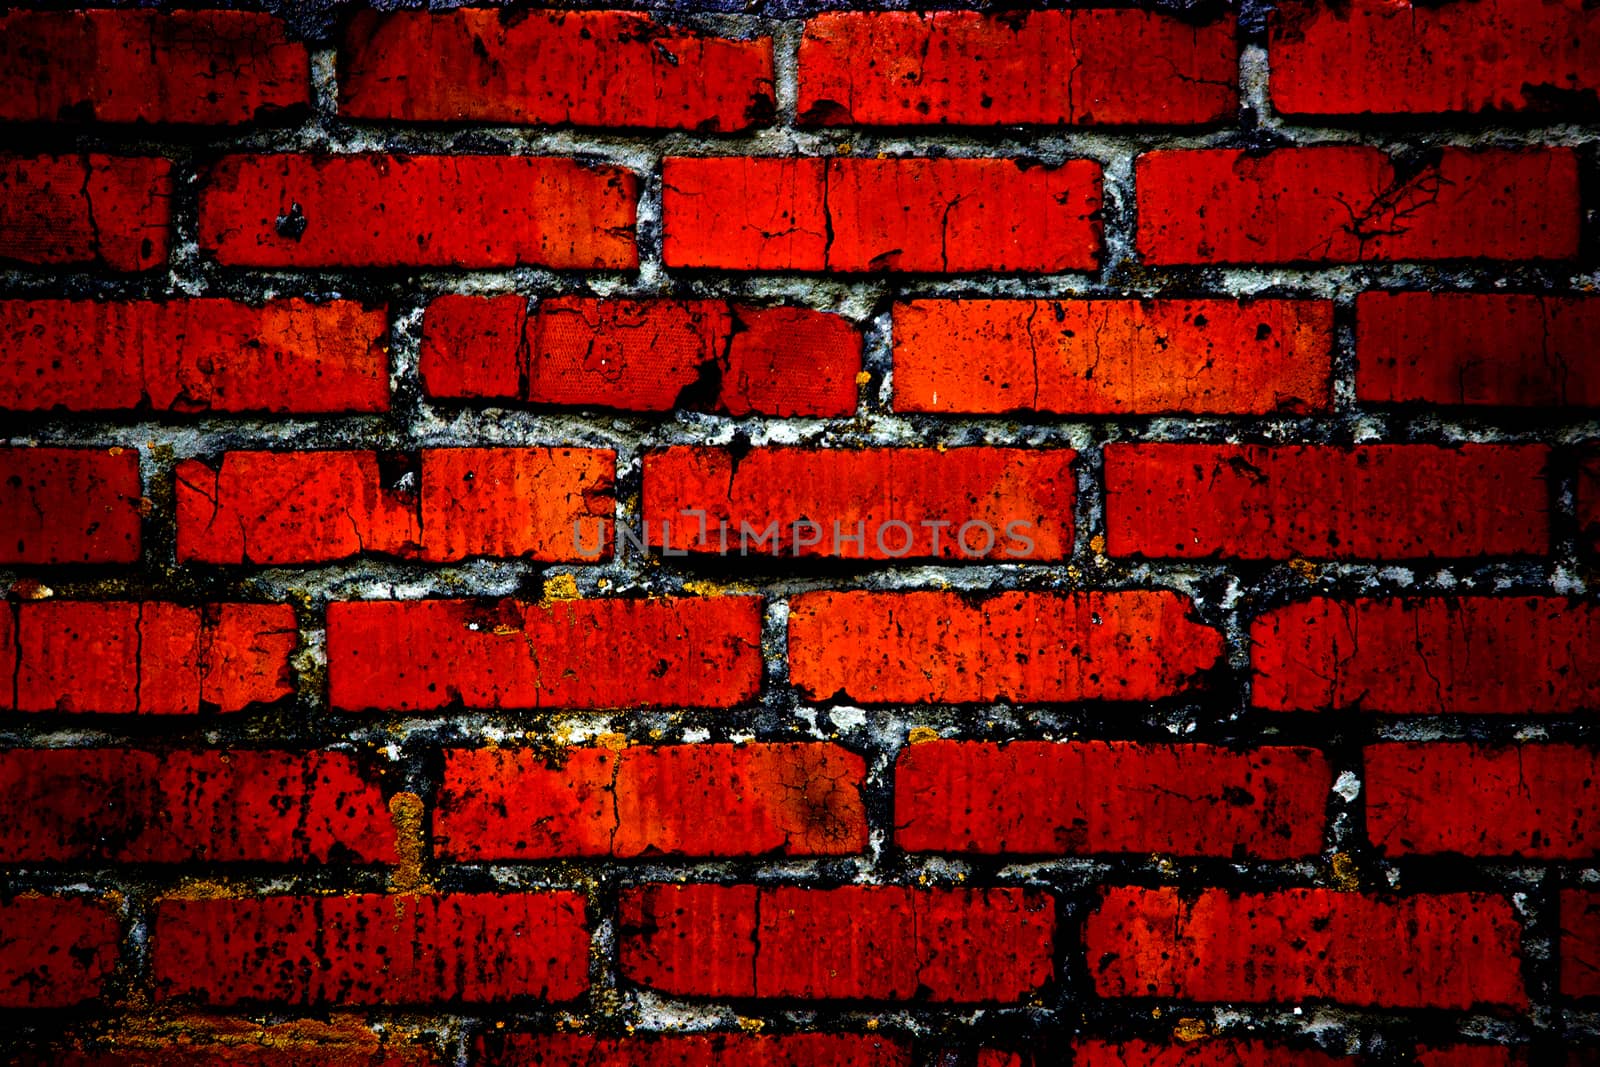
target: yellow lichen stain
<point>614,742</point>
<point>872,1025</point>
<point>1190,1029</point>
<point>168,1028</point>
<point>561,587</point>
<point>1097,544</point>
<point>406,812</point>
<point>1344,873</point>
<point>750,1026</point>
<point>200,889</point>
<point>921,735</point>
<point>702,587</point>
<point>1305,569</point>
<point>863,377</point>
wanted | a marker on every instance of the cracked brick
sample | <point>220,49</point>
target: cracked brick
<point>63,505</point>
<point>86,210</point>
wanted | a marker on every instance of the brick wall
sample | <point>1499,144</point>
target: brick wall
<point>780,536</point>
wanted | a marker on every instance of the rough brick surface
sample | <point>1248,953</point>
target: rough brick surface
<point>1453,950</point>
<point>55,952</point>
<point>1579,943</point>
<point>88,210</point>
<point>1587,500</point>
<point>1181,501</point>
<point>1338,204</point>
<point>694,1050</point>
<point>937,216</point>
<point>883,943</point>
<point>61,505</point>
<point>1210,1053</point>
<point>1448,655</point>
<point>1084,798</point>
<point>371,949</point>
<point>579,68</point>
<point>1112,357</point>
<point>433,654</point>
<point>964,68</point>
<point>376,210</point>
<point>275,1051</point>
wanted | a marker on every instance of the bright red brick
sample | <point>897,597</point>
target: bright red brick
<point>1111,357</point>
<point>903,503</point>
<point>125,658</point>
<point>551,68</point>
<point>651,800</point>
<point>1023,647</point>
<point>1352,204</point>
<point>1494,349</point>
<point>1579,948</point>
<point>1219,1052</point>
<point>66,505</point>
<point>203,67</point>
<point>55,951</point>
<point>641,355</point>
<point>87,210</point>
<point>1453,950</point>
<point>371,949</point>
<point>193,356</point>
<point>1446,655</point>
<point>126,806</point>
<point>691,1050</point>
<point>853,215</point>
<point>1084,798</point>
<point>859,942</point>
<point>424,655</point>
<point>1390,57</point>
<point>964,68</point>
<point>1197,501</point>
<point>310,507</point>
<point>377,210</point>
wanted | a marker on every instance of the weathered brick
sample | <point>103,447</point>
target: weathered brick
<point>1495,349</point>
<point>67,505</point>
<point>85,210</point>
<point>1529,800</point>
<point>1219,1052</point>
<point>1112,357</point>
<point>55,951</point>
<point>1090,797</point>
<point>193,356</point>
<point>1445,655</point>
<point>1394,57</point>
<point>1022,647</point>
<point>965,68</point>
<point>371,949</point>
<point>290,1050</point>
<point>1196,501</point>
<point>651,800</point>
<point>853,215</point>
<point>1579,946</point>
<point>425,655</point>
<point>1452,950</point>
<point>641,355</point>
<point>125,658</point>
<point>1353,204</point>
<point>1472,1056</point>
<point>551,68</point>
<point>903,503</point>
<point>311,507</point>
<point>375,210</point>
<point>1587,500</point>
<point>858,942</point>
<point>127,806</point>
<point>691,1050</point>
<point>129,65</point>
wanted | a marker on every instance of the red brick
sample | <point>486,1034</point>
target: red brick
<point>371,949</point>
<point>193,356</point>
<point>87,210</point>
<point>1217,1052</point>
<point>273,1051</point>
<point>552,68</point>
<point>1112,357</point>
<point>870,215</point>
<point>1471,1056</point>
<point>65,505</point>
<point>311,507</point>
<point>1447,655</point>
<point>1392,57</point>
<point>202,67</point>
<point>1021,647</point>
<point>1494,349</point>
<point>377,210</point>
<point>1534,801</point>
<point>650,800</point>
<point>124,658</point>
<point>1454,950</point>
<point>1351,204</point>
<point>125,806</point>
<point>963,68</point>
<point>1587,500</point>
<point>1014,503</point>
<point>641,355</point>
<point>425,655</point>
<point>854,943</point>
<point>1184,501</point>
<point>55,951</point>
<point>1579,948</point>
<point>1084,798</point>
<point>691,1050</point>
